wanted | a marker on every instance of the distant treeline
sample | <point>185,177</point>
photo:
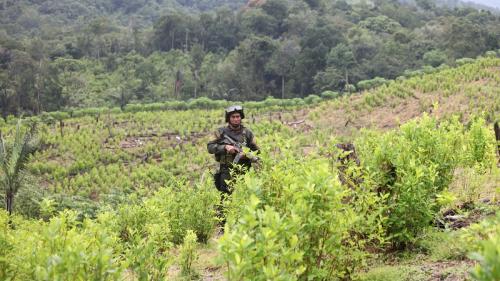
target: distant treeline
<point>204,103</point>
<point>54,55</point>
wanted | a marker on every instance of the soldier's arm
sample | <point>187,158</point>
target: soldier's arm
<point>215,146</point>
<point>251,142</point>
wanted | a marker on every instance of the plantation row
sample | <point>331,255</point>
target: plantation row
<point>477,79</point>
<point>291,219</point>
<point>99,158</point>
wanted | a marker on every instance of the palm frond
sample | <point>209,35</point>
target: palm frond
<point>23,150</point>
<point>3,152</point>
<point>14,163</point>
<point>15,151</point>
<point>3,163</point>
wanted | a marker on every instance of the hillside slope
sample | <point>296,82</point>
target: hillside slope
<point>469,89</point>
<point>141,184</point>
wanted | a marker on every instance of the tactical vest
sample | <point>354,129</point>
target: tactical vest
<point>242,138</point>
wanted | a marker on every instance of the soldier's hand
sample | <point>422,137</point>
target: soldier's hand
<point>230,149</point>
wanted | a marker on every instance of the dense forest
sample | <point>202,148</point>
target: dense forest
<point>57,55</point>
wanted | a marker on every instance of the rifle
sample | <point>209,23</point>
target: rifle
<point>239,148</point>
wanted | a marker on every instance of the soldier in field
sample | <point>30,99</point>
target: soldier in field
<point>228,145</point>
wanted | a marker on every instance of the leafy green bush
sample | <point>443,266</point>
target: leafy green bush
<point>435,58</point>
<point>428,69</point>
<point>188,208</point>
<point>490,54</point>
<point>488,255</point>
<point>443,67</point>
<point>292,223</point>
<point>464,61</point>
<point>148,256</point>
<point>58,115</point>
<point>480,145</point>
<point>271,101</point>
<point>132,239</point>
<point>263,246</point>
<point>287,102</point>
<point>199,103</point>
<point>329,95</point>
<point>312,99</point>
<point>28,201</point>
<point>372,83</point>
<point>188,255</point>
<point>412,73</point>
<point>205,103</point>
<point>253,105</point>
<point>298,101</point>
<point>410,167</point>
<point>135,107</point>
<point>144,234</point>
<point>373,99</point>
<point>350,88</point>
<point>62,249</point>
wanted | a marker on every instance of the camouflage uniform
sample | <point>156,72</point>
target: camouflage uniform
<point>216,146</point>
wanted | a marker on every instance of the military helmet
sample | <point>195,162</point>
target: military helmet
<point>232,109</point>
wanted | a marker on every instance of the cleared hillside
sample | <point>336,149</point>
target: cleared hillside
<point>471,89</point>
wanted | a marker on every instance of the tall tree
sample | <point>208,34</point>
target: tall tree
<point>97,29</point>
<point>283,60</point>
<point>5,59</point>
<point>36,50</point>
<point>253,56</point>
<point>197,55</point>
<point>342,57</point>
<point>22,72</point>
<point>257,21</point>
<point>171,30</point>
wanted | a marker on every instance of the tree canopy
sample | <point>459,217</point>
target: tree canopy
<point>55,55</point>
